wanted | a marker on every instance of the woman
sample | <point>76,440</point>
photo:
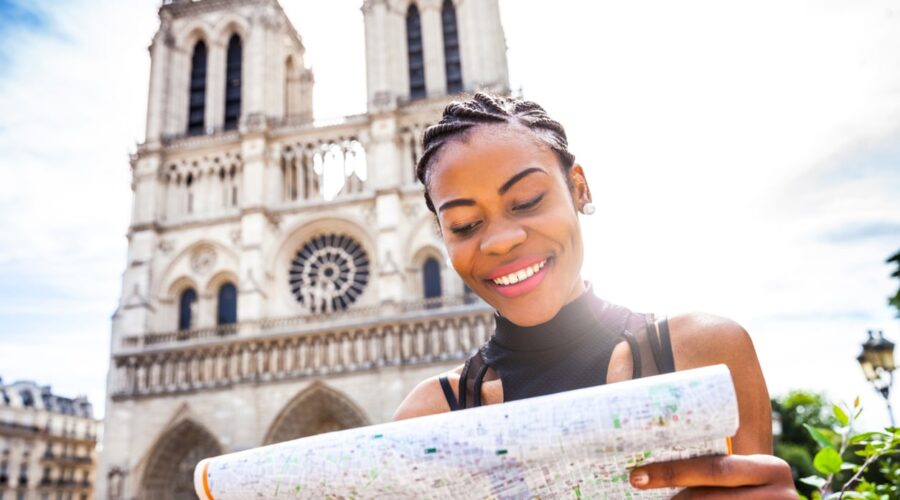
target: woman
<point>507,192</point>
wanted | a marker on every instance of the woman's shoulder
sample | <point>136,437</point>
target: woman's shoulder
<point>702,339</point>
<point>427,397</point>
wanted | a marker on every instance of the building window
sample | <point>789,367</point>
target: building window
<point>227,305</point>
<point>431,281</point>
<point>197,100</point>
<point>469,296</point>
<point>233,83</point>
<point>186,307</point>
<point>27,398</point>
<point>414,51</point>
<point>329,273</point>
<point>451,49</point>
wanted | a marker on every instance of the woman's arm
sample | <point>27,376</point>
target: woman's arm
<point>751,473</point>
<point>703,340</point>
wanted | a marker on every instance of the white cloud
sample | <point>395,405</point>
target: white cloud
<point>721,141</point>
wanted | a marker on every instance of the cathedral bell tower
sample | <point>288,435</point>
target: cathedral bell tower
<point>419,49</point>
<point>283,275</point>
<point>215,61</point>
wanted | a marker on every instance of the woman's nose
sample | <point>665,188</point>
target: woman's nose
<point>501,238</point>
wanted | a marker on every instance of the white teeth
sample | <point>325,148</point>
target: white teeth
<point>520,275</point>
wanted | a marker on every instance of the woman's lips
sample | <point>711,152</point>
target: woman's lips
<point>523,286</point>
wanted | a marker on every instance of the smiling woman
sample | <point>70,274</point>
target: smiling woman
<point>507,194</point>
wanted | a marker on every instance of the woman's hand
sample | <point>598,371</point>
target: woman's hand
<point>761,477</point>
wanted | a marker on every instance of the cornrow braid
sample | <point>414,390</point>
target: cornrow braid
<point>461,116</point>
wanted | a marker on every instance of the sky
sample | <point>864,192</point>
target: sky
<point>744,159</point>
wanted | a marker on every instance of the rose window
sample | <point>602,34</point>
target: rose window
<point>329,273</point>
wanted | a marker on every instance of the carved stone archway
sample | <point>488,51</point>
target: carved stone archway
<point>316,410</point>
<point>170,469</point>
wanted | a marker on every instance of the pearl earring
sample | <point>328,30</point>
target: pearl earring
<point>588,209</point>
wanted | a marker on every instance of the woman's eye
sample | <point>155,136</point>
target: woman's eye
<point>464,229</point>
<point>529,204</point>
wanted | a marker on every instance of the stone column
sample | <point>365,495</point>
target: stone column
<point>159,77</point>
<point>433,47</point>
<point>251,296</point>
<point>215,85</point>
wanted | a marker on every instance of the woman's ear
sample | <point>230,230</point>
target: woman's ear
<point>581,192</point>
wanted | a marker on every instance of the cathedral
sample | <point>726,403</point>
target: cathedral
<point>284,277</point>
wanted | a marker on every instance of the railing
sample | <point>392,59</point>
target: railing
<point>66,459</point>
<point>12,429</point>
<point>419,336</point>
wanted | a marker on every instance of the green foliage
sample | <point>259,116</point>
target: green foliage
<point>837,478</point>
<point>895,300</point>
<point>800,411</point>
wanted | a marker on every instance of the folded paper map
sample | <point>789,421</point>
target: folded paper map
<point>575,444</point>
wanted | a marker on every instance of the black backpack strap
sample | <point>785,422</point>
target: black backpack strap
<point>470,381</point>
<point>635,354</point>
<point>448,393</point>
<point>461,389</point>
<point>661,344</point>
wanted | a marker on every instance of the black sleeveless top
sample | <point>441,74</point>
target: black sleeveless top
<point>571,351</point>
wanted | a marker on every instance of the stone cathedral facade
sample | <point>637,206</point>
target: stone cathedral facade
<point>283,275</point>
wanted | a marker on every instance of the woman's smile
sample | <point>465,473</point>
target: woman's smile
<point>519,277</point>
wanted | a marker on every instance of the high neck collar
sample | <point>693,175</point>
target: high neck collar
<point>571,322</point>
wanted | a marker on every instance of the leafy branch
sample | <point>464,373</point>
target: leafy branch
<point>829,461</point>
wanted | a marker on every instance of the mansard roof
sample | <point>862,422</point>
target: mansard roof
<point>28,394</point>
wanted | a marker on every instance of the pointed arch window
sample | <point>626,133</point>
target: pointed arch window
<point>233,82</point>
<point>226,310</point>
<point>186,306</point>
<point>415,54</point>
<point>197,99</point>
<point>431,280</point>
<point>451,48</point>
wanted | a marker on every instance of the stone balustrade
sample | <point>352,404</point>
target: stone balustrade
<point>357,340</point>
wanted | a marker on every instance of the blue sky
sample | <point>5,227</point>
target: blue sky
<point>745,161</point>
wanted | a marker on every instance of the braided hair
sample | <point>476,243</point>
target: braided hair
<point>482,109</point>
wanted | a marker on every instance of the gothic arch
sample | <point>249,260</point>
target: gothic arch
<point>179,285</point>
<point>188,36</point>
<point>219,279</point>
<point>317,409</point>
<point>229,25</point>
<point>423,233</point>
<point>170,463</point>
<point>415,270</point>
<point>179,266</point>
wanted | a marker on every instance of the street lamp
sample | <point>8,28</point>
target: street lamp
<point>877,362</point>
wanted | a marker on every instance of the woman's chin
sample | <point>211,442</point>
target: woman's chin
<point>528,312</point>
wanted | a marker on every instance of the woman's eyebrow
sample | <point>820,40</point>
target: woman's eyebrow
<point>468,202</point>
<point>516,178</point>
<point>460,202</point>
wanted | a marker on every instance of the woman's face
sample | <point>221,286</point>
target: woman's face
<point>509,221</point>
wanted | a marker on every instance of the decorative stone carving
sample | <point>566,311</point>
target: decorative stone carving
<point>166,246</point>
<point>203,259</point>
<point>411,209</point>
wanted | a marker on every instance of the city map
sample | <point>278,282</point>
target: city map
<point>575,444</point>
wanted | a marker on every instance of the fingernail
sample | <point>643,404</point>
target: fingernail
<point>640,478</point>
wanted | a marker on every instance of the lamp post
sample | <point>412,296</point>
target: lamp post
<point>877,362</point>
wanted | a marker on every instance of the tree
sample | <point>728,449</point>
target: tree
<point>795,445</point>
<point>895,300</point>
